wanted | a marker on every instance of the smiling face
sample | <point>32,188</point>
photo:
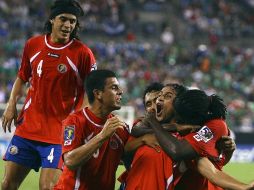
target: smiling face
<point>112,94</point>
<point>62,27</point>
<point>164,105</point>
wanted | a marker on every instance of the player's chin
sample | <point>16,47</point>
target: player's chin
<point>117,106</point>
<point>159,117</point>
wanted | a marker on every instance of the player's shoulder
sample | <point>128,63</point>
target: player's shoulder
<point>80,45</point>
<point>218,126</point>
<point>75,117</point>
<point>216,123</point>
<point>36,39</point>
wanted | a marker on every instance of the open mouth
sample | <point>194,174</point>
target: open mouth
<point>118,99</point>
<point>159,109</point>
<point>65,32</point>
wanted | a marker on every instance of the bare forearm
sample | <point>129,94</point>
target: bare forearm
<point>228,156</point>
<point>77,157</point>
<point>219,178</point>
<point>16,92</point>
<point>134,144</point>
<point>176,149</point>
<point>140,129</point>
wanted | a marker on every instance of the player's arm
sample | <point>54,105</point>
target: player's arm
<point>141,128</point>
<point>176,149</point>
<point>219,178</point>
<point>147,139</point>
<point>78,156</point>
<point>10,112</point>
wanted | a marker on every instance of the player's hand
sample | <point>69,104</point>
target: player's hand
<point>111,125</point>
<point>150,140</point>
<point>150,120</point>
<point>186,129</point>
<point>10,113</point>
<point>226,144</point>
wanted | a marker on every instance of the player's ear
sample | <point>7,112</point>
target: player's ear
<point>97,94</point>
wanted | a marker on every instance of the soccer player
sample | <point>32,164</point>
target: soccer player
<point>195,107</point>
<point>151,168</point>
<point>94,138</point>
<point>55,65</point>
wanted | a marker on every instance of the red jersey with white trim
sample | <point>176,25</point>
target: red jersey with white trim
<point>149,169</point>
<point>99,171</point>
<point>204,142</point>
<point>56,74</point>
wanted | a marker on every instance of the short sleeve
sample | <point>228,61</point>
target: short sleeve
<point>204,140</point>
<point>25,70</point>
<point>87,62</point>
<point>72,134</point>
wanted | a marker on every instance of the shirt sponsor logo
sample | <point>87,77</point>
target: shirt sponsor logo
<point>13,150</point>
<point>69,134</point>
<point>204,134</point>
<point>62,68</point>
<point>53,55</point>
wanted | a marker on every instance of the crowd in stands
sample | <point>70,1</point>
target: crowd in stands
<point>195,42</point>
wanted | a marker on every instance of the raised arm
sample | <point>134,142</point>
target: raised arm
<point>220,178</point>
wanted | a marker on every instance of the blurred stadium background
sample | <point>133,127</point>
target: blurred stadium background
<point>201,43</point>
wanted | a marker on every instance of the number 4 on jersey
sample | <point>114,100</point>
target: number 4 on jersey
<point>39,68</point>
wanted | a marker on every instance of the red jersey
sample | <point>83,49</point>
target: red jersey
<point>99,171</point>
<point>204,142</point>
<point>56,75</point>
<point>150,170</point>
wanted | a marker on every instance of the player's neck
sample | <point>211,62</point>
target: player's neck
<point>55,40</point>
<point>99,112</point>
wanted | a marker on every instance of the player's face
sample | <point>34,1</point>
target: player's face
<point>112,94</point>
<point>62,27</point>
<point>164,105</point>
<point>150,101</point>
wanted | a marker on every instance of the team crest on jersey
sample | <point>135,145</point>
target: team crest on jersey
<point>69,134</point>
<point>13,150</point>
<point>113,144</point>
<point>62,68</point>
<point>204,134</point>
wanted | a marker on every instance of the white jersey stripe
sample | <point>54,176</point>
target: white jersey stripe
<point>34,56</point>
<point>169,181</point>
<point>77,181</point>
<point>73,66</point>
<point>28,103</point>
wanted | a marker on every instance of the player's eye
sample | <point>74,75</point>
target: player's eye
<point>148,104</point>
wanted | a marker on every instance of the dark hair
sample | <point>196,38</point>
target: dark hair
<point>155,86</point>
<point>178,88</point>
<point>96,80</point>
<point>196,107</point>
<point>64,6</point>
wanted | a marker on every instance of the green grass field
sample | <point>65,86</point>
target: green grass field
<point>243,172</point>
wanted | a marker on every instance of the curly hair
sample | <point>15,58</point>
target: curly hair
<point>196,107</point>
